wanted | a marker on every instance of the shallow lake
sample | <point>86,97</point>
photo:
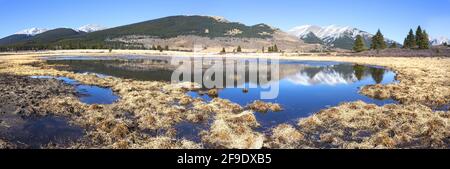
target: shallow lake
<point>305,87</point>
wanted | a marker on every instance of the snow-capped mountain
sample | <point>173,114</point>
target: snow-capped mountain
<point>31,31</point>
<point>329,33</point>
<point>34,31</point>
<point>91,28</point>
<point>439,40</point>
<point>332,35</point>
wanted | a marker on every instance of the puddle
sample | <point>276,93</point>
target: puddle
<point>88,94</point>
<point>442,108</point>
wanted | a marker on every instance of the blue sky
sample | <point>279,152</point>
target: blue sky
<point>393,17</point>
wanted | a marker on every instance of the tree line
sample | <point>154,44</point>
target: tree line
<point>419,40</point>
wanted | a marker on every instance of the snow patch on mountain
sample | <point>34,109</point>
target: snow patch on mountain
<point>332,33</point>
<point>91,28</point>
<point>328,33</point>
<point>31,31</point>
<point>220,19</point>
<point>439,40</point>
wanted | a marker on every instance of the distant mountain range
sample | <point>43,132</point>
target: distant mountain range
<point>31,31</point>
<point>174,31</point>
<point>43,35</point>
<point>333,36</point>
<point>185,32</point>
<point>86,28</point>
<point>439,41</point>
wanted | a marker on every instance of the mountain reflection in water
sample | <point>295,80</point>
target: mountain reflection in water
<point>160,69</point>
<point>305,87</point>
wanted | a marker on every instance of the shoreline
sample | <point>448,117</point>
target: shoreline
<point>423,83</point>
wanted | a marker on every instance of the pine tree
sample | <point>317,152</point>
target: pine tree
<point>419,37</point>
<point>270,49</point>
<point>223,51</point>
<point>275,48</point>
<point>393,45</point>
<point>166,48</point>
<point>262,49</point>
<point>405,43</point>
<point>239,49</point>
<point>378,41</point>
<point>159,48</point>
<point>410,41</point>
<point>359,45</point>
<point>424,41</point>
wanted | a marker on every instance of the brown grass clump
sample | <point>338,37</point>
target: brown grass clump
<point>361,125</point>
<point>223,106</point>
<point>6,145</point>
<point>264,107</point>
<point>185,100</point>
<point>165,143</point>
<point>234,131</point>
<point>213,93</point>
<point>222,135</point>
<point>285,136</point>
<point>377,91</point>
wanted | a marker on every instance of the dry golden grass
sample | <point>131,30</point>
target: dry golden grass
<point>285,136</point>
<point>232,127</point>
<point>361,125</point>
<point>6,145</point>
<point>264,107</point>
<point>234,131</point>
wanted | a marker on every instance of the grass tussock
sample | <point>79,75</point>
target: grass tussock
<point>232,127</point>
<point>361,125</point>
<point>263,107</point>
<point>285,136</point>
<point>6,145</point>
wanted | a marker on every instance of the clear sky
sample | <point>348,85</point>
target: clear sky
<point>393,17</point>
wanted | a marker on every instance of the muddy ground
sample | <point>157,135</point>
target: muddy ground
<point>147,113</point>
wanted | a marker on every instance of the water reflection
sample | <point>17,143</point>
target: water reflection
<point>305,87</point>
<point>161,69</point>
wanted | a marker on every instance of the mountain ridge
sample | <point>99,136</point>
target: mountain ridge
<point>179,32</point>
<point>333,35</point>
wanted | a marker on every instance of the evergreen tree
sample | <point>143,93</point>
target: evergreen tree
<point>393,45</point>
<point>166,48</point>
<point>378,41</point>
<point>406,44</point>
<point>239,49</point>
<point>424,41</point>
<point>445,44</point>
<point>223,51</point>
<point>159,48</point>
<point>419,37</point>
<point>410,41</point>
<point>359,45</point>
<point>275,48</point>
<point>270,49</point>
<point>262,49</point>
